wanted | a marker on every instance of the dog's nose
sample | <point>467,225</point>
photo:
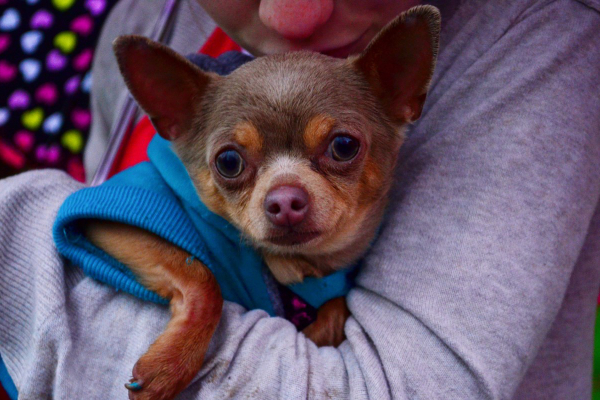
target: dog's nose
<point>286,205</point>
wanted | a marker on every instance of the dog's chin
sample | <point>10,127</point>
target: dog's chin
<point>292,239</point>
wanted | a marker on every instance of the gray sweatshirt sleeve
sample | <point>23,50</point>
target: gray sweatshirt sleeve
<point>496,189</point>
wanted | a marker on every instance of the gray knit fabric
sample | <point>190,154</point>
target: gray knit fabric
<point>482,284</point>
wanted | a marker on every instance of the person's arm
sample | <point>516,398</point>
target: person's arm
<point>495,195</point>
<point>33,283</point>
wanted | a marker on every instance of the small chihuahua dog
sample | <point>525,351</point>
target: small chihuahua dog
<point>296,150</point>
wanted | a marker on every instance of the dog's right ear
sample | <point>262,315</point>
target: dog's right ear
<point>165,84</point>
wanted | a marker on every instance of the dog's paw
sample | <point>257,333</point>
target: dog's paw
<point>159,377</point>
<point>328,329</point>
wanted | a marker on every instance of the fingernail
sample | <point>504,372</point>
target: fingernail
<point>133,386</point>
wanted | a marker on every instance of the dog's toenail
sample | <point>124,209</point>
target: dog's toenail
<point>133,386</point>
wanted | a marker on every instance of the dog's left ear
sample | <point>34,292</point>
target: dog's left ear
<point>399,62</point>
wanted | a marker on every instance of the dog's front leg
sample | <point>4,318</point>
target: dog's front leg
<point>196,303</point>
<point>328,329</point>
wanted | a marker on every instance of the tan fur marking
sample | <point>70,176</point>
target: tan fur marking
<point>210,194</point>
<point>316,130</point>
<point>288,270</point>
<point>371,182</point>
<point>246,134</point>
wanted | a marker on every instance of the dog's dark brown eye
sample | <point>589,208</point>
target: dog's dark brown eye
<point>344,148</point>
<point>230,163</point>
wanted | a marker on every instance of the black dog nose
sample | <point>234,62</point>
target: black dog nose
<point>286,205</point>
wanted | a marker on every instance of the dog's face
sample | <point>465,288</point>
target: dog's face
<point>297,154</point>
<point>297,150</point>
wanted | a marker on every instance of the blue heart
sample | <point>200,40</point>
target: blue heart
<point>31,40</point>
<point>86,84</point>
<point>10,20</point>
<point>4,115</point>
<point>30,69</point>
<point>53,123</point>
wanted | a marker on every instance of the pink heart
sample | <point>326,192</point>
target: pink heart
<point>49,155</point>
<point>82,25</point>
<point>19,99</point>
<point>7,71</point>
<point>41,153</point>
<point>53,154</point>
<point>55,61</point>
<point>42,19</point>
<point>4,42</point>
<point>81,118</point>
<point>72,84</point>
<point>96,7</point>
<point>46,93</point>
<point>24,139</point>
<point>297,304</point>
<point>82,60</point>
<point>11,156</point>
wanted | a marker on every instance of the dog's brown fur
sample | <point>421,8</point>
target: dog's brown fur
<point>281,113</point>
<point>195,300</point>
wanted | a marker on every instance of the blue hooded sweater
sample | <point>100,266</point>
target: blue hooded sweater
<point>159,196</point>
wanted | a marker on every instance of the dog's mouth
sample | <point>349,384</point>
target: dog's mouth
<point>293,238</point>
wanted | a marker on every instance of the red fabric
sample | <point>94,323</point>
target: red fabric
<point>218,43</point>
<point>133,151</point>
<point>3,395</point>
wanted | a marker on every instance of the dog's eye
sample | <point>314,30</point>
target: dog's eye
<point>344,148</point>
<point>230,163</point>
